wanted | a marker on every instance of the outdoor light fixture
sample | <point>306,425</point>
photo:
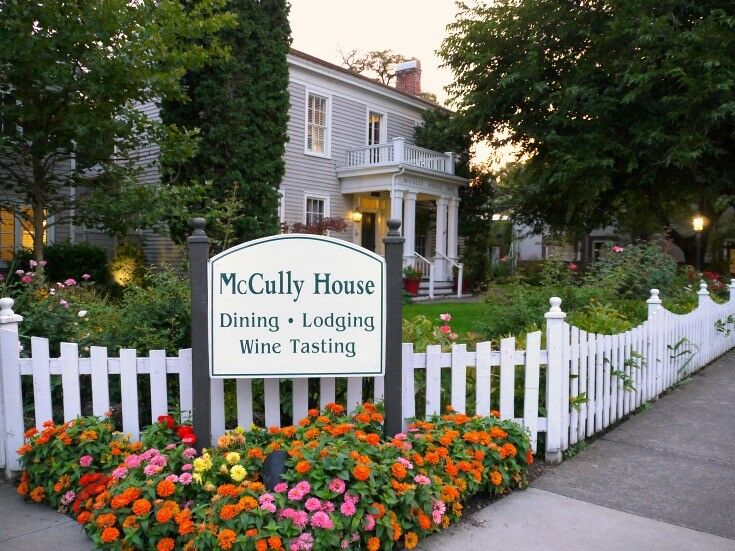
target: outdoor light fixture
<point>698,225</point>
<point>357,216</point>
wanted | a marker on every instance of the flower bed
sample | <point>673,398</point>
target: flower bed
<point>344,486</point>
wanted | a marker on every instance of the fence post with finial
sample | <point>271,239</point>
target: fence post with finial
<point>200,385</point>
<point>394,421</point>
<point>11,403</point>
<point>655,345</point>
<point>554,381</point>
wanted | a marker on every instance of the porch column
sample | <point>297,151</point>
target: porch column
<point>452,228</point>
<point>409,224</point>
<point>441,236</point>
<point>396,205</point>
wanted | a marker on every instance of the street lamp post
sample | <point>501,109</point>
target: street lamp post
<point>698,226</point>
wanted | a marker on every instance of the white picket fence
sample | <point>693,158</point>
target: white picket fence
<point>590,380</point>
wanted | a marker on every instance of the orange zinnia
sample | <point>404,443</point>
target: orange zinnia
<point>166,544</point>
<point>496,478</point>
<point>110,534</point>
<point>165,488</point>
<point>141,506</point>
<point>83,517</point>
<point>105,520</point>
<point>261,545</point>
<point>227,512</point>
<point>507,450</point>
<point>130,522</point>
<point>226,538</point>
<point>37,494</point>
<point>164,514</point>
<point>373,544</point>
<point>398,470</point>
<point>274,542</point>
<point>361,472</point>
<point>410,540</point>
<point>303,467</point>
<point>252,532</point>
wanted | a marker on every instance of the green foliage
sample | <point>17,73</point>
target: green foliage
<point>71,90</point>
<point>632,271</point>
<point>65,260</point>
<point>600,318</point>
<point>129,264</point>
<point>410,272</point>
<point>241,106</point>
<point>422,332</point>
<point>622,110</point>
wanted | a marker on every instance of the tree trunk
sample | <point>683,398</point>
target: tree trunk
<point>38,207</point>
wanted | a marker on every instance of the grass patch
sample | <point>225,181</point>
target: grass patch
<point>464,314</point>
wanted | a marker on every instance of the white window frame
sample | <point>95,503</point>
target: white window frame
<point>384,123</point>
<point>320,197</point>
<point>312,91</point>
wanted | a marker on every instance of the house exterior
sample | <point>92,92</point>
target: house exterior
<point>350,154</point>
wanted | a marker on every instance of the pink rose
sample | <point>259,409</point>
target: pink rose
<point>445,329</point>
<point>86,277</point>
<point>70,282</point>
<point>445,317</point>
<point>28,278</point>
<point>573,267</point>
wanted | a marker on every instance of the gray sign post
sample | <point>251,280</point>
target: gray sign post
<point>394,318</point>
<point>200,385</point>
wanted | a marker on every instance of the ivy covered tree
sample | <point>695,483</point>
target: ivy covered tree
<point>623,110</point>
<point>72,75</point>
<point>440,131</point>
<point>240,104</point>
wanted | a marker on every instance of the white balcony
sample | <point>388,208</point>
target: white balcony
<point>398,152</point>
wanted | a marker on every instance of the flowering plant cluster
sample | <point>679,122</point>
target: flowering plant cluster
<point>422,331</point>
<point>345,486</point>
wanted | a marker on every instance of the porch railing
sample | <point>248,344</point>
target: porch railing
<point>460,270</point>
<point>424,265</point>
<point>398,152</point>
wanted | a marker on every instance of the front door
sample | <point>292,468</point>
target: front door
<point>367,231</point>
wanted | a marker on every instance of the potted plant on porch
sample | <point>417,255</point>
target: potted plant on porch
<point>411,280</point>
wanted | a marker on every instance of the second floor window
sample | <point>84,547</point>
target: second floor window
<point>316,125</point>
<point>314,210</point>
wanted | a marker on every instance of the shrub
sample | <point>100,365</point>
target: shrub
<point>345,486</point>
<point>632,271</point>
<point>600,318</point>
<point>66,260</point>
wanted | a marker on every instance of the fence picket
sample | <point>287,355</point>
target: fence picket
<point>185,400</point>
<point>129,392</point>
<point>244,399</point>
<point>531,385</point>
<point>433,380</point>
<point>70,380</point>
<point>327,391</point>
<point>159,388</point>
<point>354,393</point>
<point>566,351</point>
<point>574,383</point>
<point>100,380</point>
<point>300,403</point>
<point>591,382</point>
<point>379,388</point>
<point>482,378</point>
<point>408,378</point>
<point>41,381</point>
<point>583,355</point>
<point>459,377</point>
<point>507,377</point>
<point>217,398</point>
<point>272,395</point>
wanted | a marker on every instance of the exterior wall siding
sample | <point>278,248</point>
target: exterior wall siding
<point>400,126</point>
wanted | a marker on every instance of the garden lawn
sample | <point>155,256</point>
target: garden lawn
<point>464,314</point>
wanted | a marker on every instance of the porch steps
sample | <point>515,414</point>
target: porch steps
<point>442,289</point>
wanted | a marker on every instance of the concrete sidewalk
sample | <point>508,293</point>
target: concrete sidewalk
<point>664,479</point>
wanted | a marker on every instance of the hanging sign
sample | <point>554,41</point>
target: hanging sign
<point>296,305</point>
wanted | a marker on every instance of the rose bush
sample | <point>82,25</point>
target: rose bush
<point>345,486</point>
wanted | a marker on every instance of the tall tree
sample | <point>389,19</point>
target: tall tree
<point>71,77</point>
<point>623,109</point>
<point>241,106</point>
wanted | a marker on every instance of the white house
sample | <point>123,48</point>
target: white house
<point>350,154</point>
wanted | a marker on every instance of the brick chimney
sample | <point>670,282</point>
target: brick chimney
<point>408,77</point>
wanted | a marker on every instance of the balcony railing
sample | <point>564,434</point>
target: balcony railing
<point>398,152</point>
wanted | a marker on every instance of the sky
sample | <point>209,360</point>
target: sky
<point>414,28</point>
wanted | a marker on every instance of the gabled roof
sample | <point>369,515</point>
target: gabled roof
<point>363,78</point>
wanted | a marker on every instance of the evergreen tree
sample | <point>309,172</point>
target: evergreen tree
<point>240,106</point>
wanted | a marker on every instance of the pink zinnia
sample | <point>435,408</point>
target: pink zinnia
<point>189,453</point>
<point>348,508</point>
<point>320,519</point>
<point>133,461</point>
<point>152,469</point>
<point>313,504</point>
<point>327,506</point>
<point>295,494</point>
<point>68,497</point>
<point>185,479</point>
<point>369,522</point>
<point>172,478</point>
<point>86,460</point>
<point>119,473</point>
<point>421,479</point>
<point>187,467</point>
<point>280,487</point>
<point>337,485</point>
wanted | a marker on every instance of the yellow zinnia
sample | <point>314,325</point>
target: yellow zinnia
<point>237,473</point>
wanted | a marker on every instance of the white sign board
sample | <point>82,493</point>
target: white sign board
<point>296,305</point>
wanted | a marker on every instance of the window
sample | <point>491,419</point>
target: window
<point>374,128</point>
<point>315,210</point>
<point>15,233</point>
<point>317,131</point>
